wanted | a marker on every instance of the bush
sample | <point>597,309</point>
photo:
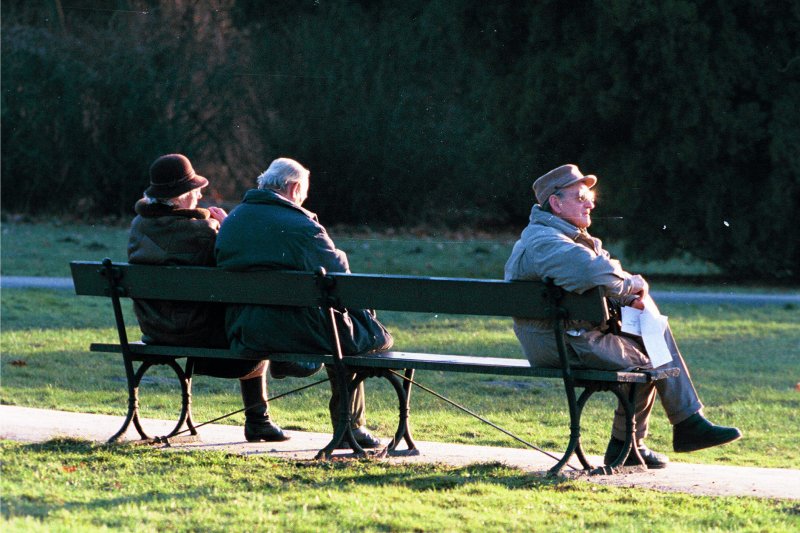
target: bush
<point>85,112</point>
<point>436,112</point>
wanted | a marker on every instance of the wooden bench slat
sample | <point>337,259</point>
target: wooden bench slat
<point>357,291</point>
<point>401,360</point>
<point>493,365</point>
<point>161,350</point>
<point>461,296</point>
<point>201,284</point>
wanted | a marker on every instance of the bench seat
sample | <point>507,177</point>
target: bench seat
<point>403,360</point>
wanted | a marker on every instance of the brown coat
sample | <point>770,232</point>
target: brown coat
<point>164,235</point>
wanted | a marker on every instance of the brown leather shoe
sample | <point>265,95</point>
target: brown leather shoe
<point>652,460</point>
<point>364,439</point>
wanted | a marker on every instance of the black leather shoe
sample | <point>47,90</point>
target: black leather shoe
<point>652,460</point>
<point>295,369</point>
<point>364,439</point>
<point>264,430</point>
<point>696,433</point>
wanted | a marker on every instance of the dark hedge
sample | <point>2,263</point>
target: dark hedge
<point>414,113</point>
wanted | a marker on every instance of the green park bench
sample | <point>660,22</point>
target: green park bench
<point>529,299</point>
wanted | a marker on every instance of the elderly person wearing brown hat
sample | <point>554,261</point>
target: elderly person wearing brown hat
<point>557,245</point>
<point>170,229</point>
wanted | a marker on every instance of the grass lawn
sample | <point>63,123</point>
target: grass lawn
<point>46,248</point>
<point>68,485</point>
<point>744,362</point>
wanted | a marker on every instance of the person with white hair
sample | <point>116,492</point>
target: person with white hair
<point>270,230</point>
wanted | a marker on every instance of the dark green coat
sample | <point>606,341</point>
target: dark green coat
<point>268,232</point>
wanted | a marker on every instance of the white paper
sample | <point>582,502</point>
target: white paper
<point>650,324</point>
<point>630,320</point>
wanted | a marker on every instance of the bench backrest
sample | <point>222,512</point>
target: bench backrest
<point>527,299</point>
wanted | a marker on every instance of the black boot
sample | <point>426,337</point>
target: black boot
<point>696,433</point>
<point>257,425</point>
<point>652,460</point>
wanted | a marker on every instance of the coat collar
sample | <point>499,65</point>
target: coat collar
<point>148,210</point>
<point>539,216</point>
<point>581,236</point>
<point>271,197</point>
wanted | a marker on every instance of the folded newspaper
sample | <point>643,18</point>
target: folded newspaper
<point>650,325</point>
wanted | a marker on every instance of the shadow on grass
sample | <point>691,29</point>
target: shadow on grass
<point>312,474</point>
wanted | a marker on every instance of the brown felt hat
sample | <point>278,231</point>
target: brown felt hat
<point>559,178</point>
<point>172,175</point>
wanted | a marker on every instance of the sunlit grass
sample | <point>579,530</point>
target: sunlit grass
<point>744,362</point>
<point>46,364</point>
<point>73,485</point>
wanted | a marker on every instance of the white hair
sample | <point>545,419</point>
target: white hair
<point>281,173</point>
<point>172,202</point>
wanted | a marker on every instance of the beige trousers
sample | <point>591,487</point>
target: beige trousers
<point>594,349</point>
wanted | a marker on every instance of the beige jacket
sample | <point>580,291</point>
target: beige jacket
<point>550,247</point>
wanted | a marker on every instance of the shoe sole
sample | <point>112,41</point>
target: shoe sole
<point>372,445</point>
<point>654,466</point>
<point>706,446</point>
<point>651,467</point>
<point>282,439</point>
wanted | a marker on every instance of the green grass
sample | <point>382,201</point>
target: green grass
<point>46,248</point>
<point>46,364</point>
<point>73,485</point>
<point>743,360</point>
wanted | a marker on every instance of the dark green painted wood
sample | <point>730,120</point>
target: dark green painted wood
<point>200,284</point>
<point>156,350</point>
<point>384,292</point>
<point>403,360</point>
<point>459,296</point>
<point>494,365</point>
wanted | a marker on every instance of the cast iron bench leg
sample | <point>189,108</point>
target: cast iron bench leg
<point>575,447</point>
<point>343,427</point>
<point>629,405</point>
<point>186,412</point>
<point>574,440</point>
<point>408,381</point>
<point>133,404</point>
<point>402,389</point>
<point>185,417</point>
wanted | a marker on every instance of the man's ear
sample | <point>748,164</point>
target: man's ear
<point>292,191</point>
<point>555,204</point>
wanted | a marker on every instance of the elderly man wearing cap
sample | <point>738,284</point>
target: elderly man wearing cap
<point>557,245</point>
<point>170,229</point>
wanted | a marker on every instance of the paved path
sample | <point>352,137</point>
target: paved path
<point>36,425</point>
<point>26,282</point>
<point>19,282</point>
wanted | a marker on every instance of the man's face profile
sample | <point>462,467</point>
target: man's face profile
<point>574,204</point>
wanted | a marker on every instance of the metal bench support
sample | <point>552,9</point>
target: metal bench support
<point>134,378</point>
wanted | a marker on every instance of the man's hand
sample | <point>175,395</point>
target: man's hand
<point>217,213</point>
<point>642,290</point>
<point>638,304</point>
